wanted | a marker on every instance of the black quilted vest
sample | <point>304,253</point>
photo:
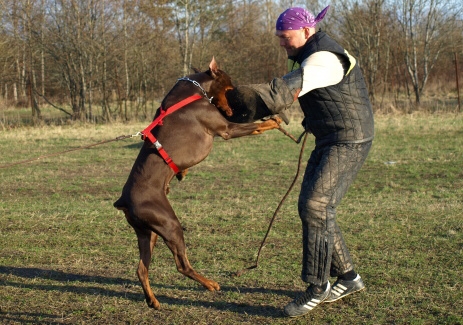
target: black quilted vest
<point>340,113</point>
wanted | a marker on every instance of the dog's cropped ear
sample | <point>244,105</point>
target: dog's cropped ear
<point>196,70</point>
<point>213,68</point>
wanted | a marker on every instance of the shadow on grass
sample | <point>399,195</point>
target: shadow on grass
<point>78,288</point>
<point>32,273</point>
<point>28,318</point>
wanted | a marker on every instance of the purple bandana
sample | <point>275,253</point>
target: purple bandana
<point>298,18</point>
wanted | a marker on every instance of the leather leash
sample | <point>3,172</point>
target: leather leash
<point>122,137</point>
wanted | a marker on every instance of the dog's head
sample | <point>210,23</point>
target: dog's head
<point>219,87</point>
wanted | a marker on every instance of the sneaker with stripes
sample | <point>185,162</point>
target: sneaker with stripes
<point>342,288</point>
<point>306,302</point>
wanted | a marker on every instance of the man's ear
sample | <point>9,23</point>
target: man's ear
<point>309,31</point>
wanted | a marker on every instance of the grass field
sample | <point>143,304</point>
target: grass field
<point>68,257</point>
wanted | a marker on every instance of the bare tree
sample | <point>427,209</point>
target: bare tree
<point>28,13</point>
<point>424,24</point>
<point>365,31</point>
<point>20,16</point>
<point>112,58</point>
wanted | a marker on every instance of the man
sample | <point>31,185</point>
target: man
<point>332,93</point>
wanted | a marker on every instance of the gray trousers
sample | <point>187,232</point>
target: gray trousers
<point>329,173</point>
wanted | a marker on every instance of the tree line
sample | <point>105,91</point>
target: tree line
<point>108,59</point>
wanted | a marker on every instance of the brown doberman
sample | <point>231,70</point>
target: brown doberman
<point>186,136</point>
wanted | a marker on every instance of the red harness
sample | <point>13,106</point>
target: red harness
<point>147,135</point>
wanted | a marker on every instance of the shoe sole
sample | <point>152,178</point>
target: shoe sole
<point>345,295</point>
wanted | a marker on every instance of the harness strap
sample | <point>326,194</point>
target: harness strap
<point>147,135</point>
<point>166,157</point>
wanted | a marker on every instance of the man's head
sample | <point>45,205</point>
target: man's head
<point>295,26</point>
<point>294,40</point>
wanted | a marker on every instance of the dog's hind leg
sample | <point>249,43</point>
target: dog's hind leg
<point>146,241</point>
<point>172,233</point>
<point>177,247</point>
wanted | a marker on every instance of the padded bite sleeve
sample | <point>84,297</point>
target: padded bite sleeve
<point>256,101</point>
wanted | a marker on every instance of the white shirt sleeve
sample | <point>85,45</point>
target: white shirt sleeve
<point>319,70</point>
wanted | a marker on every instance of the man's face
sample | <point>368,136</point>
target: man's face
<point>293,40</point>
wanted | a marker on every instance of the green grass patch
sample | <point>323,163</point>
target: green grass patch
<point>68,257</point>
